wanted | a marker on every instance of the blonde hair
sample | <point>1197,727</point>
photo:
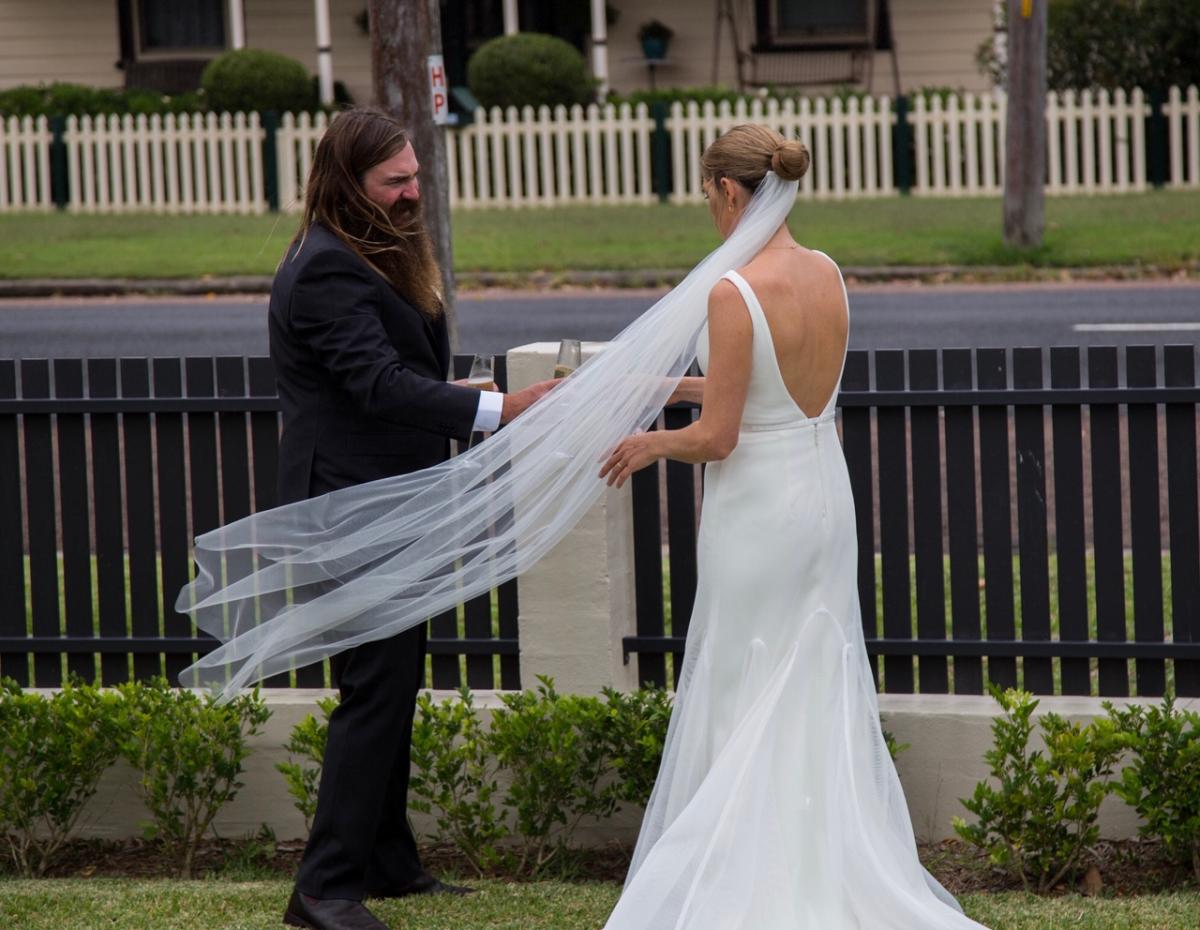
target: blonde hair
<point>746,153</point>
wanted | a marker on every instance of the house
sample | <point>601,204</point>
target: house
<point>883,46</point>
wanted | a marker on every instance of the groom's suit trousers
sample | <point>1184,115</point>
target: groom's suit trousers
<point>360,840</point>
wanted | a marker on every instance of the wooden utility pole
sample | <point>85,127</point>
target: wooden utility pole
<point>1025,155</point>
<point>404,34</point>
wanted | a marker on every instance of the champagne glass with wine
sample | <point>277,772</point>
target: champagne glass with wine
<point>569,355</point>
<point>483,373</point>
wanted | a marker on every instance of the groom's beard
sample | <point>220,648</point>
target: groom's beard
<point>408,262</point>
<point>415,272</point>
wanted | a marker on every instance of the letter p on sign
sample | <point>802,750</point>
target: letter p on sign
<point>440,92</point>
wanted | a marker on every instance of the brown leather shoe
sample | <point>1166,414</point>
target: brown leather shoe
<point>329,914</point>
<point>422,884</point>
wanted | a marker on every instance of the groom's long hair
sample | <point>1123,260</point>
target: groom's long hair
<point>394,242</point>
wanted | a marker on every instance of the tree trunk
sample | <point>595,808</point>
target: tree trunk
<point>1025,154</point>
<point>404,33</point>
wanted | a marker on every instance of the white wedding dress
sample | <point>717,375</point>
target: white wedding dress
<point>777,806</point>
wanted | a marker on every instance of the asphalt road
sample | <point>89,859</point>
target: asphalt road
<point>893,316</point>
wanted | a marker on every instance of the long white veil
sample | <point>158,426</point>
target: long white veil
<point>291,586</point>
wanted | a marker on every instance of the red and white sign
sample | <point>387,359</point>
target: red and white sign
<point>439,89</point>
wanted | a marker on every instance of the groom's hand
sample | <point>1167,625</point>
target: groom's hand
<point>517,403</point>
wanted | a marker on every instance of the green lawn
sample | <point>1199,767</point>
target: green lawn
<point>91,904</point>
<point>1160,228</point>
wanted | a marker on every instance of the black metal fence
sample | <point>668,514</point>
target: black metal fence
<point>108,468</point>
<point>1009,530</point>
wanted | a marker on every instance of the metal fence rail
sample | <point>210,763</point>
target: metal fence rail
<point>108,469</point>
<point>1008,529</point>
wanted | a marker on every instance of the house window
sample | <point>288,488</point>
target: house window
<point>170,25</point>
<point>815,24</point>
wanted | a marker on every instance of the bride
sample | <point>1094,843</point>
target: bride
<point>777,806</point>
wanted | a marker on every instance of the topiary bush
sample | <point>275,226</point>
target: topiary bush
<point>529,69</point>
<point>251,79</point>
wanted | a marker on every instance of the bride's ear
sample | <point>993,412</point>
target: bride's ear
<point>729,193</point>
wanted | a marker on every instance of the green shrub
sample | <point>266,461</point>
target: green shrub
<point>552,748</point>
<point>63,99</point>
<point>253,79</point>
<point>455,778</point>
<point>635,733</point>
<point>565,758</point>
<point>52,754</point>
<point>1152,44</point>
<point>529,69</point>
<point>189,752</point>
<point>1162,782</point>
<point>1042,815</point>
<point>307,745</point>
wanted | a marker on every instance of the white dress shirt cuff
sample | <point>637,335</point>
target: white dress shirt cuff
<point>487,417</point>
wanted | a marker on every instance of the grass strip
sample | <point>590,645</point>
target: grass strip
<point>93,904</point>
<point>1157,228</point>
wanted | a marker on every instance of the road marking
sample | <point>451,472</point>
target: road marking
<point>1135,327</point>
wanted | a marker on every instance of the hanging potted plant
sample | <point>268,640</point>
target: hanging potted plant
<point>654,37</point>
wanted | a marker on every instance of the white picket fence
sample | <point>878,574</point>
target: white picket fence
<point>25,164</point>
<point>191,163</point>
<point>850,144</point>
<point>1095,143</point>
<point>209,163</point>
<point>1183,133</point>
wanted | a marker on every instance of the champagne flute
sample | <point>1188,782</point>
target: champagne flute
<point>569,354</point>
<point>483,373</point>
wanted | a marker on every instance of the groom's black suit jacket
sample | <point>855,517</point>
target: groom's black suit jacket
<point>361,374</point>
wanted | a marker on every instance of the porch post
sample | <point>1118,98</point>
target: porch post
<point>324,53</point>
<point>600,48</point>
<point>511,24</point>
<point>237,25</point>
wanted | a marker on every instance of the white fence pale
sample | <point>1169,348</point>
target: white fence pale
<point>191,163</point>
<point>1095,143</point>
<point>25,164</point>
<point>1183,131</point>
<point>850,144</point>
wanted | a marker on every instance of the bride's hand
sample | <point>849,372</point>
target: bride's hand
<point>632,453</point>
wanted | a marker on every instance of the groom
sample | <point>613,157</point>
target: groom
<point>360,349</point>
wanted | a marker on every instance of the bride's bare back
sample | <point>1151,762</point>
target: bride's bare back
<point>802,299</point>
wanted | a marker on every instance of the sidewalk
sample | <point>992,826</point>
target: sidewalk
<point>646,278</point>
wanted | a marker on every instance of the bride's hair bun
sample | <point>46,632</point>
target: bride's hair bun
<point>746,153</point>
<point>790,160</point>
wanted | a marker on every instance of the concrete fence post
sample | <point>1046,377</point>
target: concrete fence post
<point>577,603</point>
